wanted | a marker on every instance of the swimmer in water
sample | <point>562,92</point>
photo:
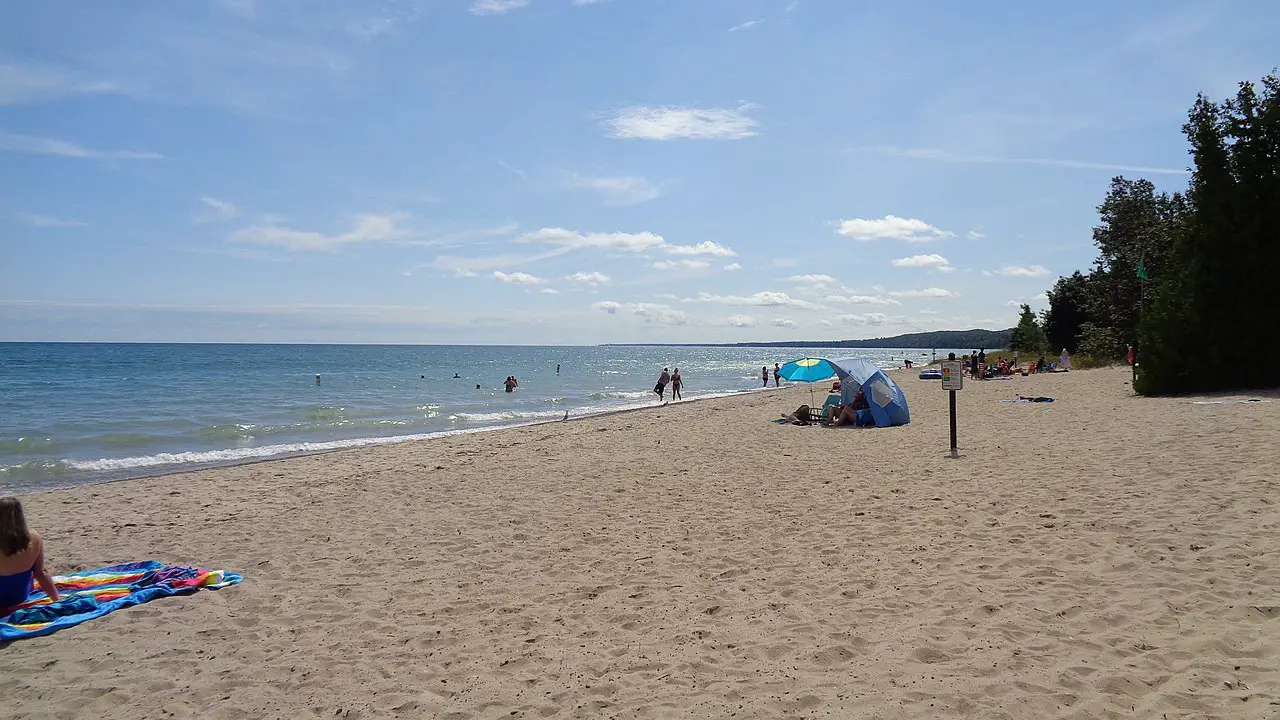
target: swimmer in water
<point>456,376</point>
<point>317,378</point>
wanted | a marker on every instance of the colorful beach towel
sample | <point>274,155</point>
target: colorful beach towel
<point>93,593</point>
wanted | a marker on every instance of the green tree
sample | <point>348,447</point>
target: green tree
<point>1027,336</point>
<point>1210,323</point>
<point>1136,225</point>
<point>1068,300</point>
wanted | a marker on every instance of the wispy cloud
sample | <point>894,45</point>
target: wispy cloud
<point>645,122</point>
<point>515,170</point>
<point>891,227</point>
<point>861,300</point>
<point>871,319</point>
<point>975,235</point>
<point>814,279</point>
<point>24,85</point>
<point>1020,271</point>
<point>681,265</point>
<point>45,221</point>
<point>33,145</point>
<point>731,267</point>
<point>741,321</point>
<point>568,240</point>
<point>932,260</point>
<point>366,229</point>
<point>620,190</point>
<point>591,279</point>
<point>930,292</point>
<point>517,278</point>
<point>651,313</point>
<point>496,7</point>
<point>745,25</point>
<point>221,208</point>
<point>760,299</point>
<point>936,155</point>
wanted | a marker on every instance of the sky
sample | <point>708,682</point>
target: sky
<point>578,171</point>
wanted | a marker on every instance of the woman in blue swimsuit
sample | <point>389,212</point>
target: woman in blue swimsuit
<point>21,558</point>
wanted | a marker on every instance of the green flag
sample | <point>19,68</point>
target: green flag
<point>1142,267</point>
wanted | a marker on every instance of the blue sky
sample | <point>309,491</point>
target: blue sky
<point>577,171</point>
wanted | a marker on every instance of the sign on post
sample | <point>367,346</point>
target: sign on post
<point>952,376</point>
<point>953,380</point>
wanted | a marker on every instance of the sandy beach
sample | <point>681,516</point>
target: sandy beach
<point>1104,555</point>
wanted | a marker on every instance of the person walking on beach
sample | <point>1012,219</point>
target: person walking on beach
<point>764,374</point>
<point>21,558</point>
<point>982,364</point>
<point>777,375</point>
<point>661,388</point>
<point>676,382</point>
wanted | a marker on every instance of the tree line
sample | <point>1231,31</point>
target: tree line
<point>1186,278</point>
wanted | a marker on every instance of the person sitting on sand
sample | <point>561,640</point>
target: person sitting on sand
<point>842,415</point>
<point>21,558</point>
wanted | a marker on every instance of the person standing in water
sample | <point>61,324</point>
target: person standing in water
<point>317,378</point>
<point>510,383</point>
<point>557,368</point>
<point>661,388</point>
<point>676,382</point>
<point>777,376</point>
<point>764,374</point>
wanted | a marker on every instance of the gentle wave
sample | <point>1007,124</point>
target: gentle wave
<point>507,415</point>
<point>621,395</point>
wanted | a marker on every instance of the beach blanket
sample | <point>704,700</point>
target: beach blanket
<point>93,593</point>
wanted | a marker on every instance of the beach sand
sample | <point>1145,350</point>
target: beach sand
<point>1101,556</point>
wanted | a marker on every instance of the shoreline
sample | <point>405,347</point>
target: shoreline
<point>162,470</point>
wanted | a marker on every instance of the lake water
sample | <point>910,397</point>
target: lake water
<point>76,413</point>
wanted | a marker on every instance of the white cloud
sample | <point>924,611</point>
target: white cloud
<point>812,279</point>
<point>670,123</point>
<point>745,25</point>
<point>496,7</point>
<point>891,227</point>
<point>682,265</point>
<point>367,229</point>
<point>760,299</point>
<point>517,278</point>
<point>568,240</point>
<point>927,311</point>
<point>975,235</point>
<point>937,155</point>
<point>929,292</point>
<point>594,279</point>
<point>784,323</point>
<point>732,267</point>
<point>933,260</point>
<point>32,145</point>
<point>651,313</point>
<point>825,322</point>
<point>509,167</point>
<point>620,190</point>
<point>867,319</point>
<point>1019,271</point>
<point>222,208</point>
<point>573,240</point>
<point>742,321</point>
<point>45,221</point>
<point>32,84</point>
<point>549,291</point>
<point>703,248</point>
<point>861,300</point>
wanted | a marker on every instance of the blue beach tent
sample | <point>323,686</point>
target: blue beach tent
<point>888,404</point>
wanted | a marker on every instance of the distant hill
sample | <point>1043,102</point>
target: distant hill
<point>939,339</point>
